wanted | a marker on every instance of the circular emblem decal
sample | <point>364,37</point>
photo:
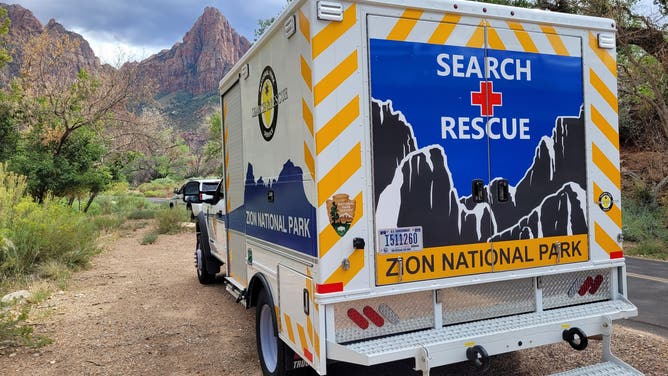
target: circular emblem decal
<point>605,201</point>
<point>268,104</point>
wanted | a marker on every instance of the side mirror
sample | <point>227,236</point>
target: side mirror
<point>176,191</point>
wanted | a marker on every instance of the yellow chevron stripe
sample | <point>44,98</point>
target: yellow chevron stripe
<point>304,26</point>
<point>604,126</point>
<point>333,129</point>
<point>555,40</point>
<point>288,325</point>
<point>308,160</point>
<point>614,213</point>
<point>356,264</point>
<point>278,318</point>
<point>316,345</point>
<point>602,54</point>
<point>306,72</point>
<point>309,327</point>
<point>333,31</point>
<point>338,175</point>
<point>493,40</point>
<point>444,29</point>
<point>607,167</point>
<point>307,115</point>
<point>608,244</point>
<point>335,78</point>
<point>405,25</point>
<point>302,337</point>
<point>478,38</point>
<point>328,237</point>
<point>523,37</point>
<point>603,89</point>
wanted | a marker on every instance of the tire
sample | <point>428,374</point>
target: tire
<point>203,275</point>
<point>274,355</point>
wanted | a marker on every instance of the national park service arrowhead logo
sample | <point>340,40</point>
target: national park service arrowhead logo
<point>341,211</point>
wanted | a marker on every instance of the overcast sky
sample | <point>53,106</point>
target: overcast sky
<point>137,29</point>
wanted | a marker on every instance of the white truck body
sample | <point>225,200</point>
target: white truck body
<point>423,182</point>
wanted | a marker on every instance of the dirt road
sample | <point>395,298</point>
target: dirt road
<point>140,311</point>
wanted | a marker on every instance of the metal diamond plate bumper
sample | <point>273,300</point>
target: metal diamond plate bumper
<point>446,345</point>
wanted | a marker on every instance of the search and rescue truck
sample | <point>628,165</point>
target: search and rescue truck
<point>437,182</point>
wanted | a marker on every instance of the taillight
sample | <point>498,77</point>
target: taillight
<point>585,285</point>
<point>373,316</point>
<point>357,318</point>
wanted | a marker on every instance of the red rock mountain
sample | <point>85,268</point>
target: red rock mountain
<point>25,26</point>
<point>196,65</point>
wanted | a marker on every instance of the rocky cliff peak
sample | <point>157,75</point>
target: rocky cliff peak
<point>195,65</point>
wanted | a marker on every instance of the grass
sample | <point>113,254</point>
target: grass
<point>170,221</point>
<point>149,238</point>
<point>645,226</point>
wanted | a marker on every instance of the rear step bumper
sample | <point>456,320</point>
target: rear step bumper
<point>436,347</point>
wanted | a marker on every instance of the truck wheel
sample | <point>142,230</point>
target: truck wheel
<point>273,353</point>
<point>203,275</point>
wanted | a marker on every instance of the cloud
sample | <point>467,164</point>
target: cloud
<point>145,25</point>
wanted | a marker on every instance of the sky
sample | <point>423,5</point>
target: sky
<point>135,29</point>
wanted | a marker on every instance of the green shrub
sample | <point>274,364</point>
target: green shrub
<point>48,232</point>
<point>108,222</point>
<point>158,188</point>
<point>149,238</point>
<point>169,221</point>
<point>155,193</point>
<point>12,189</point>
<point>141,214</point>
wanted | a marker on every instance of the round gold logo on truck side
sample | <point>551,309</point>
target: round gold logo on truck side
<point>267,100</point>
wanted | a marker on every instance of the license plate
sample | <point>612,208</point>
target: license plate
<point>404,239</point>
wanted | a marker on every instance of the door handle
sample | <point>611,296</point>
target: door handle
<point>478,190</point>
<point>502,190</point>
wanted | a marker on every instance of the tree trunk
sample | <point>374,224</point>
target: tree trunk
<point>93,194</point>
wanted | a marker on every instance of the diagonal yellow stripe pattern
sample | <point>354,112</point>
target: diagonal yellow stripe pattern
<point>288,325</point>
<point>523,37</point>
<point>304,27</point>
<point>309,161</point>
<point>494,40</point>
<point>328,237</point>
<point>306,72</point>
<point>338,175</point>
<point>604,126</point>
<point>307,115</point>
<point>335,78</point>
<point>603,89</point>
<point>405,25</point>
<point>356,260</point>
<point>444,29</point>
<point>607,167</point>
<point>614,213</point>
<point>608,244</point>
<point>333,31</point>
<point>604,55</point>
<point>478,38</point>
<point>555,40</point>
<point>333,129</point>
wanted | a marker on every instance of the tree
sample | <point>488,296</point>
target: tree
<point>4,29</point>
<point>64,113</point>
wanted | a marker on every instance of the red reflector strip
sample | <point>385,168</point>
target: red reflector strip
<point>357,318</point>
<point>308,355</point>
<point>329,287</point>
<point>597,283</point>
<point>616,254</point>
<point>373,316</point>
<point>586,286</point>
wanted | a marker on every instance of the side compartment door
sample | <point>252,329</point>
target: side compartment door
<point>233,150</point>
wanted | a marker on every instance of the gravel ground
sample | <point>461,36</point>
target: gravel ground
<point>140,311</point>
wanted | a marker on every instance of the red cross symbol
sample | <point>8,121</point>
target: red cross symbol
<point>486,98</point>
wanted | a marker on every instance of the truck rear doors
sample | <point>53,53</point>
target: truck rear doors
<point>478,146</point>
